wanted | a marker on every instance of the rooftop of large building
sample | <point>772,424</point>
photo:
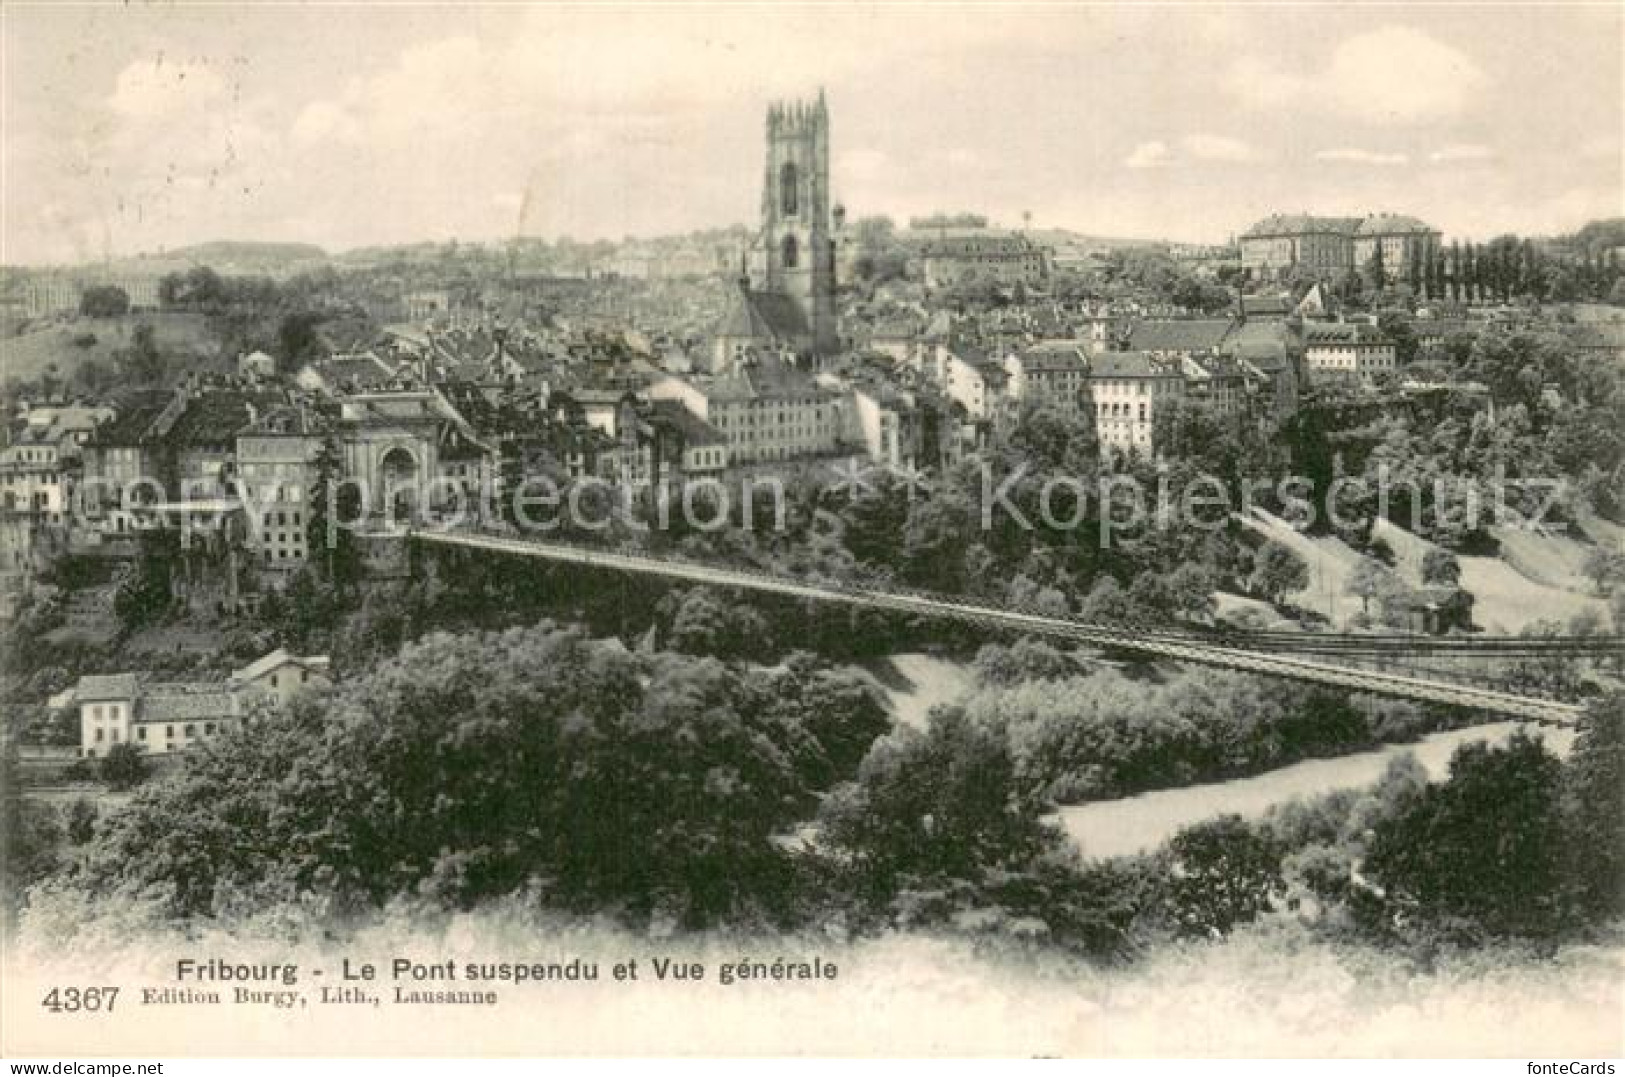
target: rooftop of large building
<point>1131,365</point>
<point>1053,355</point>
<point>215,416</point>
<point>364,370</point>
<point>286,420</point>
<point>1392,224</point>
<point>761,316</point>
<point>1298,224</point>
<point>133,416</point>
<point>1178,334</point>
<point>962,242</point>
<point>766,377</point>
<point>692,429</point>
<point>1343,333</point>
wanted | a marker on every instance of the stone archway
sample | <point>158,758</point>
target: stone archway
<point>398,475</point>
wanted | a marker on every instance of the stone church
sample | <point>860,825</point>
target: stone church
<point>785,301</point>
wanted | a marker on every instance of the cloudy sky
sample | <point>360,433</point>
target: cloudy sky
<point>138,127</point>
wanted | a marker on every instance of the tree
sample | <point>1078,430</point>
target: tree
<point>1396,326</point>
<point>123,767</point>
<point>1595,804</point>
<point>1225,872</point>
<point>1277,570</point>
<point>104,301</point>
<point>1483,849</point>
<point>1440,568</point>
<point>30,838</point>
<point>298,339</point>
<point>1376,272</point>
<point>1604,567</point>
<point>647,784</point>
<point>935,805</point>
<point>1371,580</point>
<point>1190,589</point>
<point>709,623</point>
<point>81,821</point>
<point>145,594</point>
<point>333,509</point>
<point>1027,659</point>
<point>143,359</point>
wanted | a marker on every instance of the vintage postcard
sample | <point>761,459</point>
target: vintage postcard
<point>869,530</point>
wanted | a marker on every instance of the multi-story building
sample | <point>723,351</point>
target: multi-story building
<point>120,469</point>
<point>1347,351</point>
<point>888,425</point>
<point>162,717</point>
<point>31,479</point>
<point>951,255</point>
<point>1126,389</point>
<point>1218,381</point>
<point>281,675</point>
<point>276,469</point>
<point>1280,243</point>
<point>766,411</point>
<point>972,379</point>
<point>683,442</point>
<point>1405,242</point>
<point>1053,373</point>
<point>1330,246</point>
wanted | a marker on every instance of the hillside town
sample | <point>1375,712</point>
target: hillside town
<point>813,340</point>
<point>863,560</point>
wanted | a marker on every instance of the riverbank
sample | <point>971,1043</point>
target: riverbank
<point>915,683</point>
<point>1139,824</point>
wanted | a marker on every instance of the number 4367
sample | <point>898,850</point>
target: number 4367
<point>80,999</point>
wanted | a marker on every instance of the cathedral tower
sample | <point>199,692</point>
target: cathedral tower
<point>794,254</point>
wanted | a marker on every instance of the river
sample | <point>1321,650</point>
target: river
<point>914,683</point>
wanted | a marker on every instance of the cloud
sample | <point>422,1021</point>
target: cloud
<point>1462,151</point>
<point>149,90</point>
<point>1218,148</point>
<point>1393,74</point>
<point>321,120</point>
<point>1362,157</point>
<point>1149,155</point>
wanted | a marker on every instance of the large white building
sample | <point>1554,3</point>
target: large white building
<point>162,717</point>
<point>970,378</point>
<point>766,411</point>
<point>1405,242</point>
<point>1347,351</point>
<point>953,255</point>
<point>1127,389</point>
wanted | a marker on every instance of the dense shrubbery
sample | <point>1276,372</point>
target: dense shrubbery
<point>1087,737</point>
<point>472,765</point>
<point>657,785</point>
<point>1513,844</point>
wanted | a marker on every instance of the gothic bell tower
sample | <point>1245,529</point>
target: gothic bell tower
<point>794,254</point>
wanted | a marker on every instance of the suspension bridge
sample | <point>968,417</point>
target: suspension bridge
<point>1364,663</point>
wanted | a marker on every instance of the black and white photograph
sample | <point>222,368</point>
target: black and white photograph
<point>846,530</point>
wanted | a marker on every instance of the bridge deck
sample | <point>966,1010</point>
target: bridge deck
<point>1175,645</point>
